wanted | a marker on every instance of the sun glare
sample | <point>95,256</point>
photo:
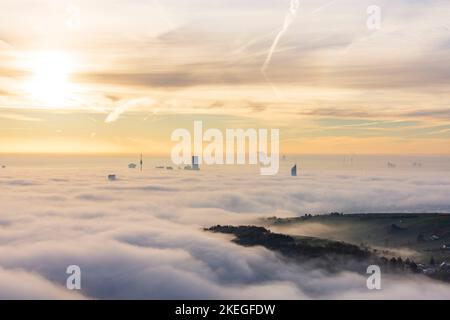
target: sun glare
<point>50,84</point>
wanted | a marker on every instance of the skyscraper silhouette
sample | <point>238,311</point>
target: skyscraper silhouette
<point>195,163</point>
<point>294,171</point>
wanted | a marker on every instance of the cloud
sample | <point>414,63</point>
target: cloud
<point>21,285</point>
<point>141,236</point>
<point>126,105</point>
<point>5,45</point>
<point>328,62</point>
<point>18,117</point>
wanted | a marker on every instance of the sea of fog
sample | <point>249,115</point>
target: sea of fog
<point>141,236</point>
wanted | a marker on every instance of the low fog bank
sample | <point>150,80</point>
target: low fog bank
<point>141,236</point>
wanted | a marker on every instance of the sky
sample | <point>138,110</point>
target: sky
<point>120,76</point>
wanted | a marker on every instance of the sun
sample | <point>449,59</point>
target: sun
<point>50,85</point>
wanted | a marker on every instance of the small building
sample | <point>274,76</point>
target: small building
<point>391,165</point>
<point>112,177</point>
<point>132,166</point>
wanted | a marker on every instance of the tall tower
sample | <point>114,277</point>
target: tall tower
<point>294,171</point>
<point>141,163</point>
<point>195,163</point>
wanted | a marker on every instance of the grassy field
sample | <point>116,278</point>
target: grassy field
<point>420,236</point>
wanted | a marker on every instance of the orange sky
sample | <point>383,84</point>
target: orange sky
<point>75,78</point>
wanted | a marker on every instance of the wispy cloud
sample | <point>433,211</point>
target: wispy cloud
<point>127,105</point>
<point>321,58</point>
<point>18,117</point>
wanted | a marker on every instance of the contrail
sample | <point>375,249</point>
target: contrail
<point>322,7</point>
<point>288,20</point>
<point>163,13</point>
<point>290,17</point>
<point>6,44</point>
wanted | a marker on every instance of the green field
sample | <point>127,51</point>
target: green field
<point>420,236</point>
